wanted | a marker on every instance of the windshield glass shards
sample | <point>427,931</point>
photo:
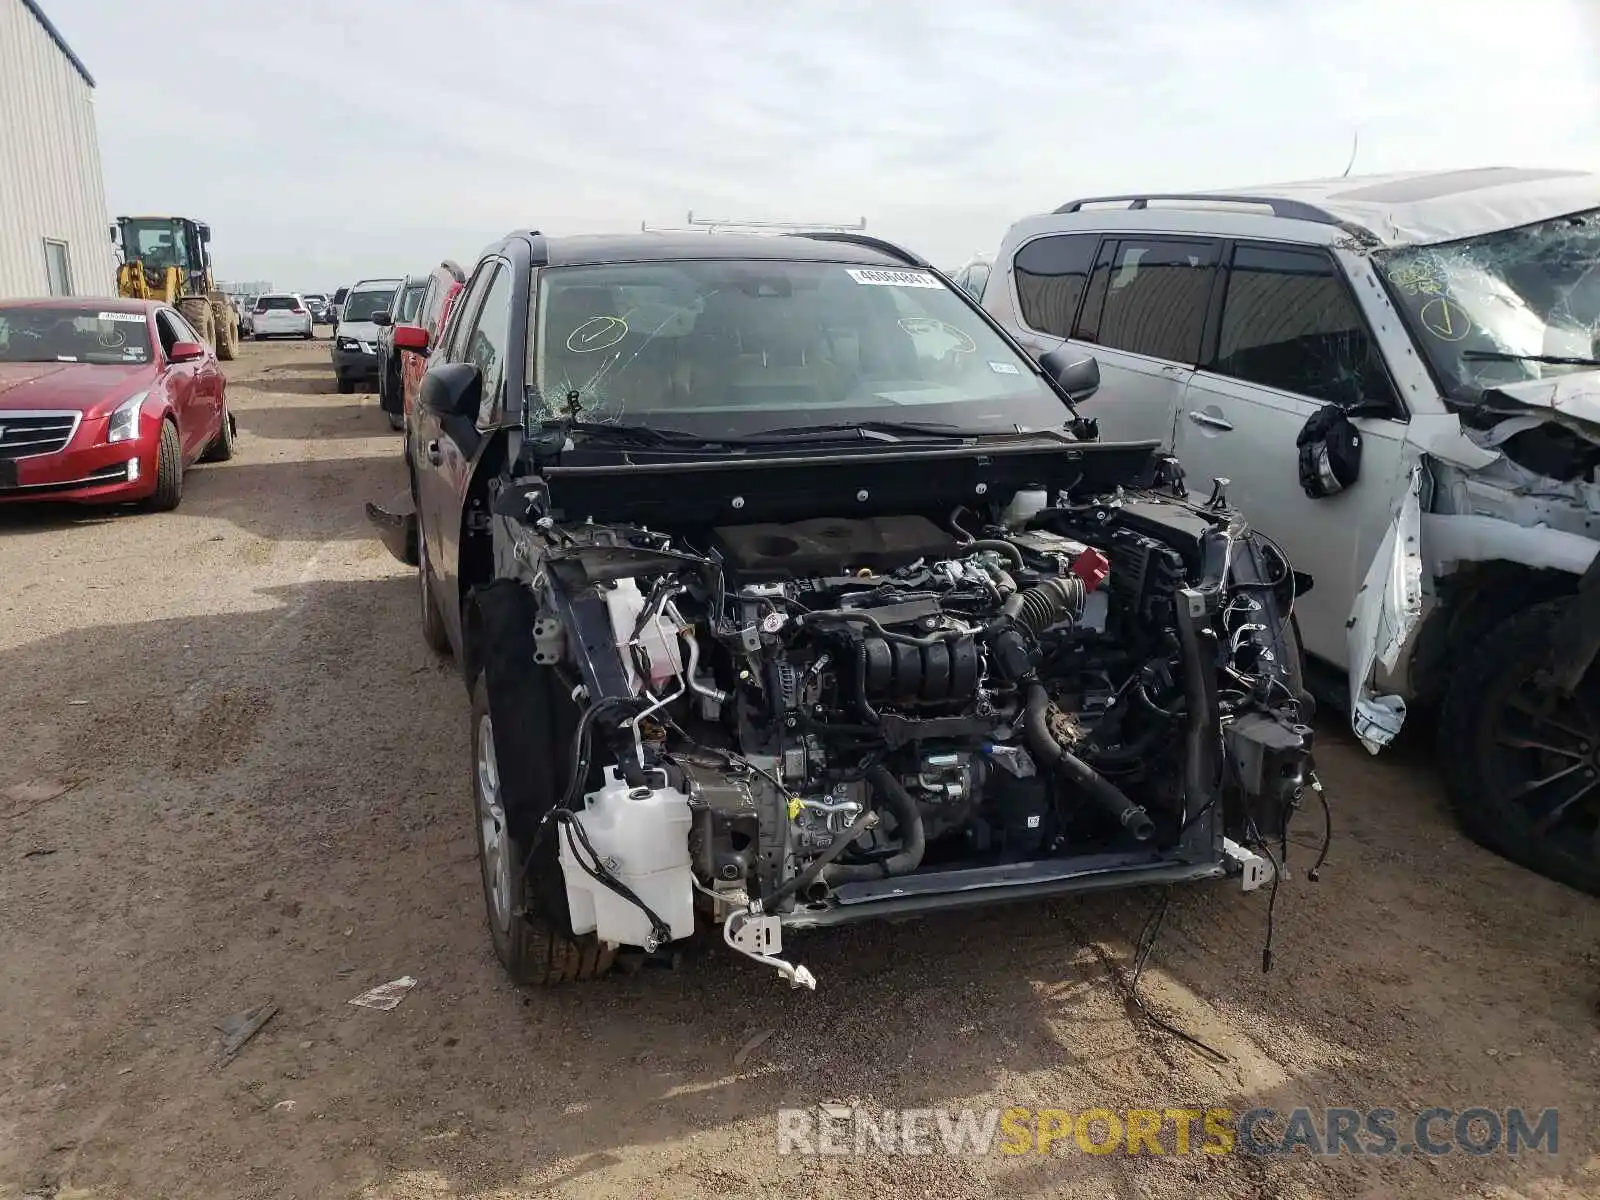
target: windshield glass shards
<point>1506,307</point>
<point>733,348</point>
<point>30,333</point>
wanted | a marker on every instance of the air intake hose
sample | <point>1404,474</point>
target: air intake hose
<point>1046,604</point>
<point>1024,616</point>
<point>897,800</point>
<point>1036,729</point>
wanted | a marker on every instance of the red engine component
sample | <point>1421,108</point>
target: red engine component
<point>1092,567</point>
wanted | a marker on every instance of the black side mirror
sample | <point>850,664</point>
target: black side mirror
<point>452,390</point>
<point>382,318</point>
<point>1078,377</point>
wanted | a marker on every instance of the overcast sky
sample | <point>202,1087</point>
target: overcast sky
<point>326,139</point>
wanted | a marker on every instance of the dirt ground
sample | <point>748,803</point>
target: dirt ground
<point>266,801</point>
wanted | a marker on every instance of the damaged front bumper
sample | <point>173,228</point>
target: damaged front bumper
<point>940,891</point>
<point>396,524</point>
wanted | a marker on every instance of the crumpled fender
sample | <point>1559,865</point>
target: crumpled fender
<point>397,527</point>
<point>1388,607</point>
<point>1385,612</point>
<point>1451,538</point>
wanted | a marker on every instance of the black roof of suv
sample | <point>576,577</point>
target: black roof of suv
<point>820,246</point>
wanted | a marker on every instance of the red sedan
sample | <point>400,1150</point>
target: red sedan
<point>105,402</point>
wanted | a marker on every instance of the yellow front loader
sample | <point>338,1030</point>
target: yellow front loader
<point>169,259</point>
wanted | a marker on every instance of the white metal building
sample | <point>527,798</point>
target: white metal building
<point>54,226</point>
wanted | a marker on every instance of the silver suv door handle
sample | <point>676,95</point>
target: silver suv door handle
<point>1205,418</point>
<point>435,455</point>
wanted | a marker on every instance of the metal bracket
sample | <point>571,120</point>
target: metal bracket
<point>1253,869</point>
<point>761,938</point>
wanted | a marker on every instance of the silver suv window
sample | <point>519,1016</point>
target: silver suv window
<point>1052,274</point>
<point>1289,322</point>
<point>1149,296</point>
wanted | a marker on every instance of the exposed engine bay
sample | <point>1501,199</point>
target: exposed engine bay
<point>798,723</point>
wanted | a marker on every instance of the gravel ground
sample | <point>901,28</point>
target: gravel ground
<point>267,802</point>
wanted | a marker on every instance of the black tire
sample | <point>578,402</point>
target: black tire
<point>397,421</point>
<point>433,630</point>
<point>169,471</point>
<point>523,894</point>
<point>346,386</point>
<point>1297,670</point>
<point>260,337</point>
<point>221,447</point>
<point>305,337</point>
<point>1478,727</point>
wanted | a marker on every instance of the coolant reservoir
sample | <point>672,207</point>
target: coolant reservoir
<point>643,841</point>
<point>1024,507</point>
<point>658,639</point>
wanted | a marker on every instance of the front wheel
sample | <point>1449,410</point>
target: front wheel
<point>521,875</point>
<point>169,471</point>
<point>346,386</point>
<point>1522,760</point>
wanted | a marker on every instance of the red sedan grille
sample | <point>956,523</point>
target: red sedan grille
<point>25,434</point>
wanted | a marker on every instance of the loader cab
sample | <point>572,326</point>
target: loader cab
<point>161,243</point>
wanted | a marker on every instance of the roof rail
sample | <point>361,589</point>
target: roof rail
<point>868,241</point>
<point>539,255</point>
<point>1290,210</point>
<point>455,270</point>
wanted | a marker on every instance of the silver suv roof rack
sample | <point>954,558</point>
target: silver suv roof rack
<point>1291,210</point>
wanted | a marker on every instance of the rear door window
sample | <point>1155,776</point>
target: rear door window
<point>1052,273</point>
<point>1289,322</point>
<point>1150,296</point>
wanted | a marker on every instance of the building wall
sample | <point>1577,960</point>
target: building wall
<point>50,180</point>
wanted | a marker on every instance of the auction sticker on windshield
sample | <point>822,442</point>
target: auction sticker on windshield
<point>890,278</point>
<point>134,318</point>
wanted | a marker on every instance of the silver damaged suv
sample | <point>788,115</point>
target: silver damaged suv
<point>1398,378</point>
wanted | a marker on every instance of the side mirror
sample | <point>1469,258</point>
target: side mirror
<point>186,351</point>
<point>411,337</point>
<point>452,390</point>
<point>382,318</point>
<point>1078,377</point>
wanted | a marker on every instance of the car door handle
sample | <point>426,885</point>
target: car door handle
<point>435,455</point>
<point>1209,420</point>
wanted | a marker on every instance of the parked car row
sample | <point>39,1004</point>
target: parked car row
<point>363,349</point>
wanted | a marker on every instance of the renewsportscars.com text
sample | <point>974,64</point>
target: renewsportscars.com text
<point>1378,1132</point>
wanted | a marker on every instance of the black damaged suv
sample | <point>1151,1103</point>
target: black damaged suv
<point>790,592</point>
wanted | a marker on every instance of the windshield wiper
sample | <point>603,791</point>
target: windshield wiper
<point>1556,360</point>
<point>631,435</point>
<point>877,431</point>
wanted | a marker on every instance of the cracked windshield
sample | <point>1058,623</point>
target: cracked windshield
<point>710,346</point>
<point>1497,309</point>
